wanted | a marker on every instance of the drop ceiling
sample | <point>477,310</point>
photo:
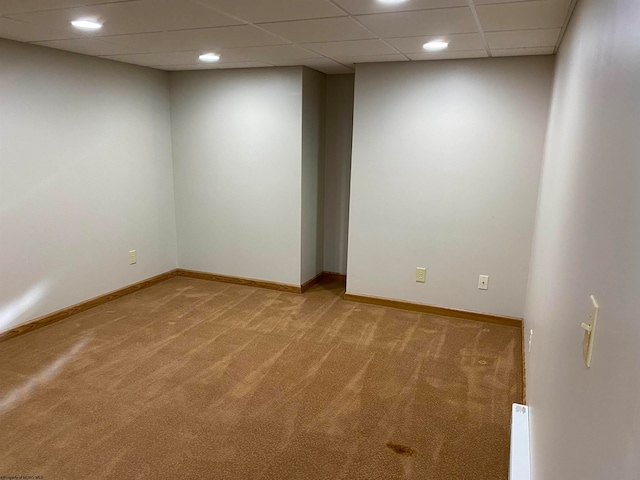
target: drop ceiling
<point>328,35</point>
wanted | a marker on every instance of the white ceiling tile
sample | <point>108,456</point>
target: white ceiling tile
<point>329,67</point>
<point>485,2</point>
<point>271,54</point>
<point>170,34</point>
<point>458,42</point>
<point>321,30</point>
<point>447,55</point>
<point>351,48</point>
<point>422,22</point>
<point>523,15</point>
<point>25,32</point>
<point>88,46</point>
<point>371,59</point>
<point>276,10</point>
<point>517,52</point>
<point>523,38</point>
<point>201,39</point>
<point>203,66</point>
<point>21,6</point>
<point>177,59</point>
<point>133,17</point>
<point>324,65</point>
<point>174,58</point>
<point>358,7</point>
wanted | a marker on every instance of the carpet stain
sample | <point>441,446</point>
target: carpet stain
<point>403,450</point>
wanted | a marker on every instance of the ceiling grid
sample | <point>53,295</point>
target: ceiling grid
<point>331,36</point>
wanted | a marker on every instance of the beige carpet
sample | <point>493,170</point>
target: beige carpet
<point>191,379</point>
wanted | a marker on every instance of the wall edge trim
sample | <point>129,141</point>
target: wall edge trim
<point>66,312</point>
<point>311,282</point>
<point>435,310</point>
<point>248,282</point>
<point>524,369</point>
<point>334,276</point>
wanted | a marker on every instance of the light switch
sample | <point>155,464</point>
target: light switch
<point>589,328</point>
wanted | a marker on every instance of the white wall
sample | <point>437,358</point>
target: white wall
<point>339,128</point>
<point>313,129</point>
<point>445,171</point>
<point>85,176</point>
<point>237,143</point>
<point>586,422</point>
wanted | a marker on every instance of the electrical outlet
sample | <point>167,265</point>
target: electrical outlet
<point>421,274</point>
<point>483,282</point>
<point>132,257</point>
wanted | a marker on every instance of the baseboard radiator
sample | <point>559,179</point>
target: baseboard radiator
<point>520,458</point>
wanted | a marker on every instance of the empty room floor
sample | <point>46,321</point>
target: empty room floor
<point>195,379</point>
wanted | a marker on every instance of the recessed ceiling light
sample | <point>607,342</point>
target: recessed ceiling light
<point>87,24</point>
<point>209,57</point>
<point>391,2</point>
<point>435,45</point>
